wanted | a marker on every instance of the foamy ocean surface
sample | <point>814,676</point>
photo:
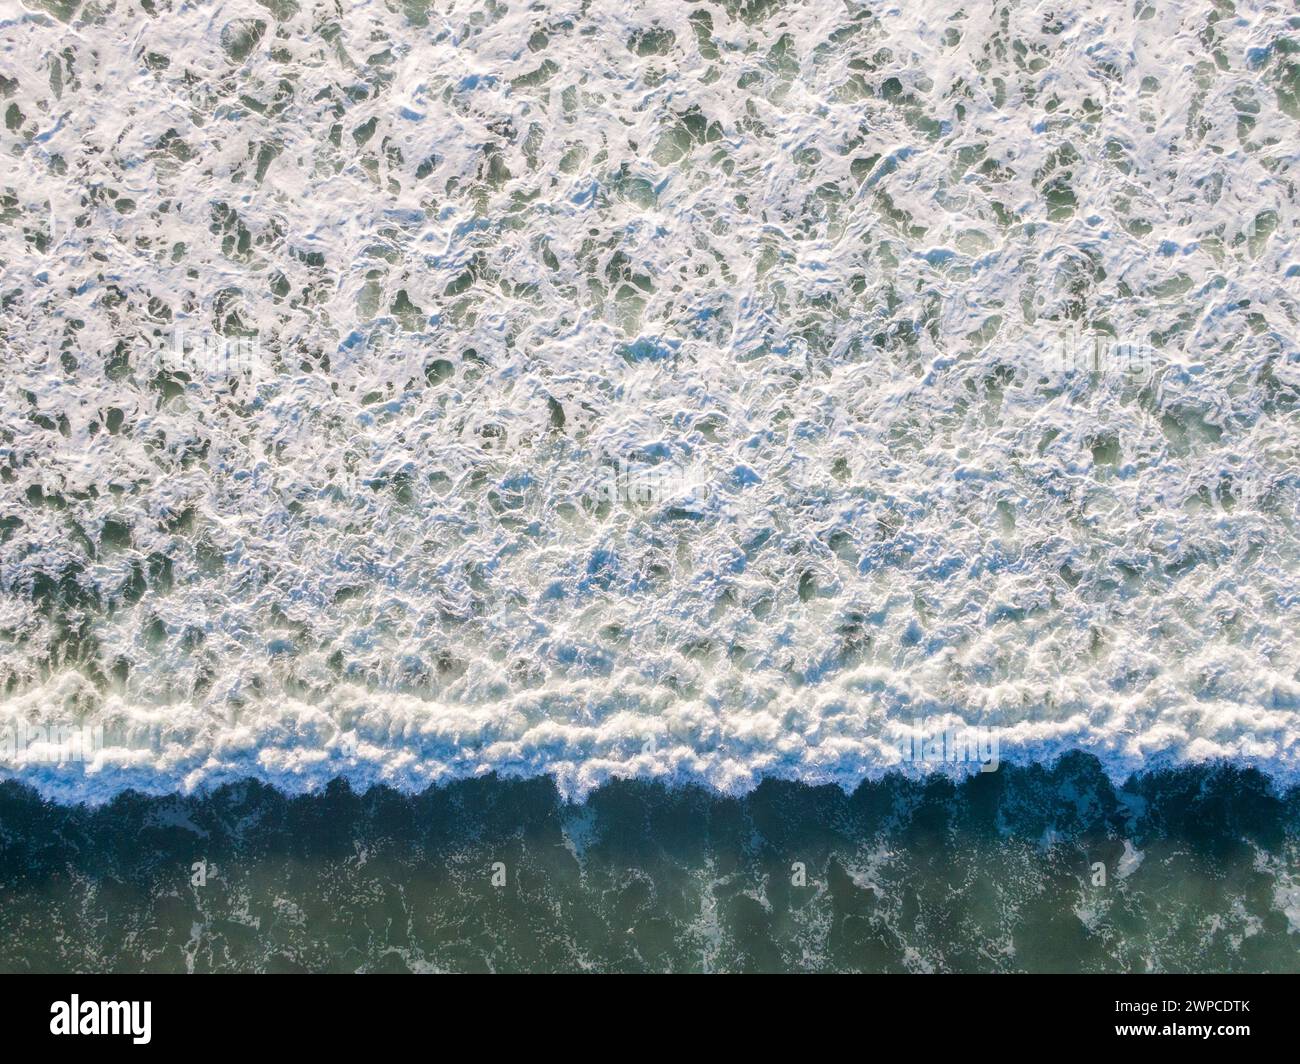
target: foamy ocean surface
<point>606,438</point>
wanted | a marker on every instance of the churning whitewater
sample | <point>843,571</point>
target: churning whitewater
<point>701,391</point>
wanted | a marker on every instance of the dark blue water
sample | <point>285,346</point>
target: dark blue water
<point>1003,872</point>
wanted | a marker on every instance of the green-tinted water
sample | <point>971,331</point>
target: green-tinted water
<point>1201,872</point>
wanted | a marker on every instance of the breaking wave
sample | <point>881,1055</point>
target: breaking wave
<point>706,392</point>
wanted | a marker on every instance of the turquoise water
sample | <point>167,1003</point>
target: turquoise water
<point>994,874</point>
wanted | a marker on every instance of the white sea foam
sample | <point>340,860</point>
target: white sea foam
<point>794,272</point>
